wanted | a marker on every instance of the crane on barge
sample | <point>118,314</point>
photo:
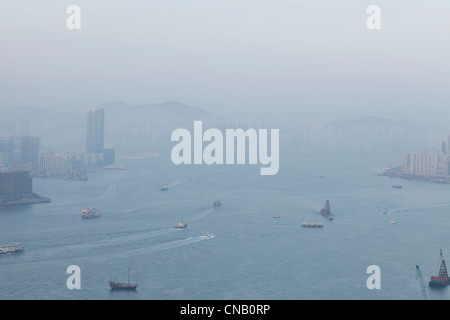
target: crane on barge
<point>442,279</point>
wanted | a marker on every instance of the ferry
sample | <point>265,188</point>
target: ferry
<point>15,247</point>
<point>90,213</point>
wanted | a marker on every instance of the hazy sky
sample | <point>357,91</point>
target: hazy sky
<point>291,61</point>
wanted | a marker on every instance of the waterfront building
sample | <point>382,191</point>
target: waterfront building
<point>56,164</point>
<point>15,182</point>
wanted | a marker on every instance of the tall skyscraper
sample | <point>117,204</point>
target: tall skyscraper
<point>29,150</point>
<point>94,131</point>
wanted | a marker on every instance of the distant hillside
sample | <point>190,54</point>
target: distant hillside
<point>166,110</point>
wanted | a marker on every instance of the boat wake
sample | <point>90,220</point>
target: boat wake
<point>202,214</point>
<point>176,183</point>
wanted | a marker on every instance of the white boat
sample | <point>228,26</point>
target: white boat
<point>90,213</point>
<point>392,221</point>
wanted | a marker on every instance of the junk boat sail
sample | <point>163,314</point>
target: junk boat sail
<point>442,279</point>
<point>11,248</point>
<point>90,213</point>
<point>181,225</point>
<point>123,285</point>
<point>326,211</point>
<point>217,203</point>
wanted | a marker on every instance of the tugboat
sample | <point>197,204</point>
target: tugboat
<point>90,213</point>
<point>217,203</point>
<point>123,285</point>
<point>181,225</point>
<point>11,248</point>
<point>442,279</point>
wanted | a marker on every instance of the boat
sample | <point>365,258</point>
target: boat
<point>15,247</point>
<point>276,217</point>
<point>165,188</point>
<point>397,187</point>
<point>442,279</point>
<point>330,217</point>
<point>217,203</point>
<point>312,225</point>
<point>181,225</point>
<point>392,221</point>
<point>208,236</point>
<point>326,210</point>
<point>123,285</point>
<point>384,211</point>
<point>90,213</point>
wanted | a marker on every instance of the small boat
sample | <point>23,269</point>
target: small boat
<point>123,285</point>
<point>165,188</point>
<point>209,235</point>
<point>90,213</point>
<point>330,217</point>
<point>392,221</point>
<point>276,217</point>
<point>217,203</point>
<point>384,211</point>
<point>312,225</point>
<point>397,187</point>
<point>181,225</point>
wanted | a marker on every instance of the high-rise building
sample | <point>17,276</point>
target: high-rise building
<point>29,151</point>
<point>6,151</point>
<point>95,131</point>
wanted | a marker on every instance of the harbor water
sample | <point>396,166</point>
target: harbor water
<point>251,254</point>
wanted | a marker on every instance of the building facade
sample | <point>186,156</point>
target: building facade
<point>95,130</point>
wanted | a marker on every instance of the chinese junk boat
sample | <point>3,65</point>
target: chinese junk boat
<point>442,279</point>
<point>90,213</point>
<point>15,247</point>
<point>123,285</point>
<point>326,211</point>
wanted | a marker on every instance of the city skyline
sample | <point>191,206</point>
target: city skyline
<point>290,63</point>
